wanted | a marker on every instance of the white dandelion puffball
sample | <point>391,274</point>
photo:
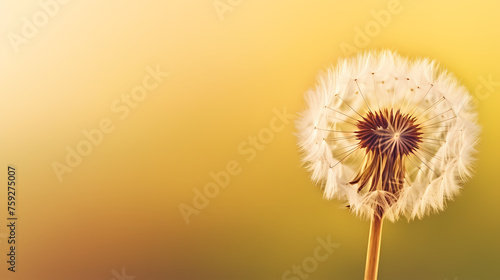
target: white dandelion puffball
<point>389,135</point>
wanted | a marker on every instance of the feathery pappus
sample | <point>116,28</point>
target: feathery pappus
<point>389,135</point>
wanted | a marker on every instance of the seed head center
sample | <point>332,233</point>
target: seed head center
<point>388,132</point>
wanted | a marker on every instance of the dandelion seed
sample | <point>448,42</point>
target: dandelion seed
<point>409,142</point>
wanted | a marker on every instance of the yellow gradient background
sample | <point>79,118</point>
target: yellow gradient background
<point>119,208</point>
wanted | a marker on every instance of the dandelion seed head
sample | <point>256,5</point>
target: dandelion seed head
<point>388,135</point>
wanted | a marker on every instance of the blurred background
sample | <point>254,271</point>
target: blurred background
<point>155,139</point>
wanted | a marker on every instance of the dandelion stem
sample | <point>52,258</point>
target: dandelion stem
<point>373,252</point>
